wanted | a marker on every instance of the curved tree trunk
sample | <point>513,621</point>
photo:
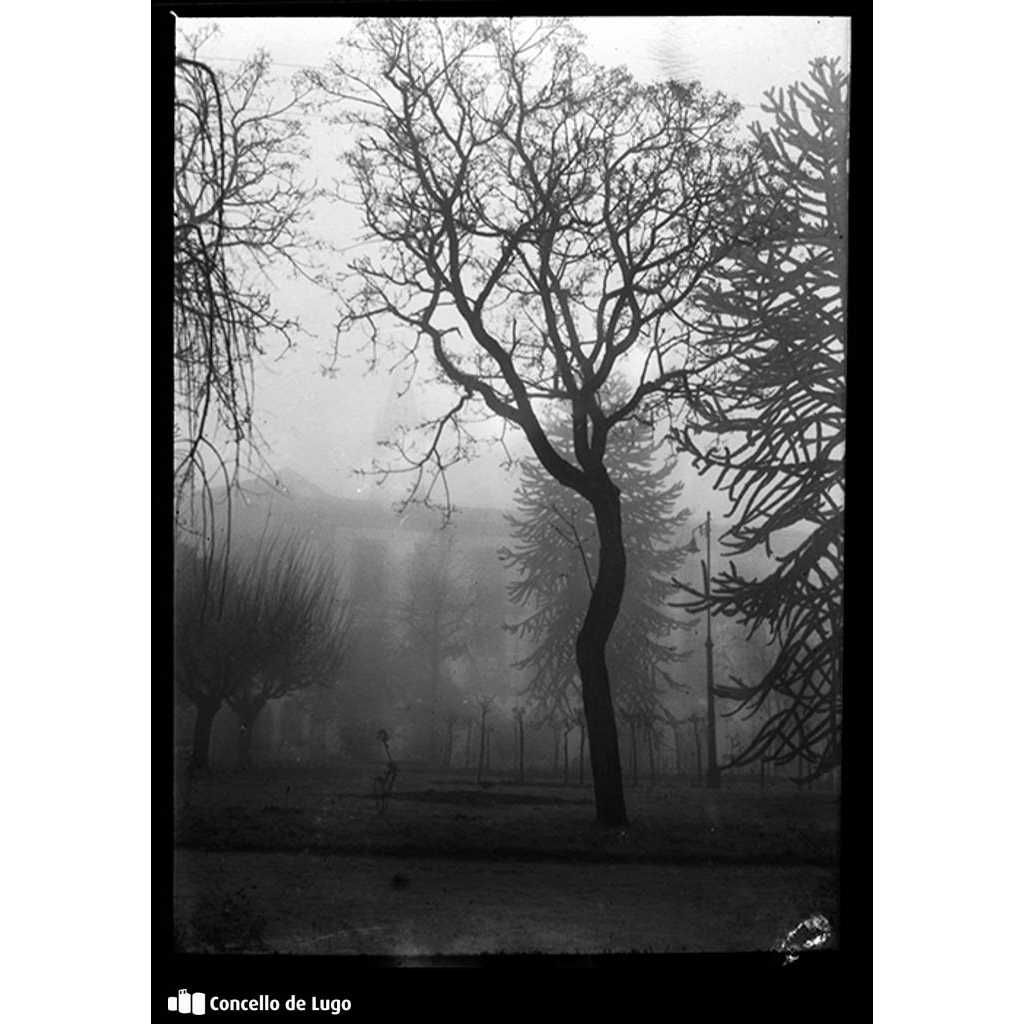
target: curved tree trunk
<point>205,712</point>
<point>602,612</point>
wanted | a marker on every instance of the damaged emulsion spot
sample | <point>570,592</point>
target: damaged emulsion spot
<point>811,933</point>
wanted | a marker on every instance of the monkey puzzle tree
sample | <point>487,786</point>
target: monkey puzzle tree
<point>533,224</point>
<point>239,207</point>
<point>556,558</point>
<point>777,314</point>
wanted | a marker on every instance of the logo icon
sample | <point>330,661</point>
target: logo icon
<point>185,1003</point>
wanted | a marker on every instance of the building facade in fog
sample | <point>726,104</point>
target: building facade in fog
<point>378,553</point>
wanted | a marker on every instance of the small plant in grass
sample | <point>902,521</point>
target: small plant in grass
<point>384,784</point>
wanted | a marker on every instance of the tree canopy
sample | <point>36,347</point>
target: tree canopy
<point>539,222</point>
<point>536,224</point>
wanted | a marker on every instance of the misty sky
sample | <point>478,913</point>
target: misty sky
<point>325,428</point>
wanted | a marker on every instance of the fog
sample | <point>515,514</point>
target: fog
<point>327,429</point>
<point>391,670</point>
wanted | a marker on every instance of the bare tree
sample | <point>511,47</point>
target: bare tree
<point>484,702</point>
<point>239,211</point>
<point>302,630</point>
<point>696,720</point>
<point>450,721</point>
<point>251,627</point>
<point>518,712</point>
<point>536,224</point>
<point>215,646</point>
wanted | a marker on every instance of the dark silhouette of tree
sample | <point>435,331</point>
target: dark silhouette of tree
<point>518,712</point>
<point>451,719</point>
<point>533,224</point>
<point>469,739</point>
<point>239,210</point>
<point>483,702</point>
<point>302,630</point>
<point>580,721</point>
<point>555,556</point>
<point>777,319</point>
<point>214,639</point>
<point>697,721</point>
<point>266,622</point>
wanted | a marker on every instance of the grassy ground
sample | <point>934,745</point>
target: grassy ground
<point>304,862</point>
<point>450,815</point>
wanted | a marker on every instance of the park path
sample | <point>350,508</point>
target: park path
<point>383,906</point>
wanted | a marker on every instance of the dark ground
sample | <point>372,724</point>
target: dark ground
<point>295,861</point>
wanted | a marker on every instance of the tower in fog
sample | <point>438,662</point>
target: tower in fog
<point>399,415</point>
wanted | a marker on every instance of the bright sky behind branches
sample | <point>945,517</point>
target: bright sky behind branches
<point>324,428</point>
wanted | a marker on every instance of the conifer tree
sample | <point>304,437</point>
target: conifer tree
<point>556,554</point>
<point>776,324</point>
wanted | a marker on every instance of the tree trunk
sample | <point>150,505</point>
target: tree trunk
<point>449,743</point>
<point>565,757</point>
<point>632,750</point>
<point>205,712</point>
<point>483,739</point>
<point>469,741</point>
<point>650,753</point>
<point>696,737</point>
<point>603,610</point>
<point>679,750</point>
<point>435,671</point>
<point>522,766</point>
<point>583,739</point>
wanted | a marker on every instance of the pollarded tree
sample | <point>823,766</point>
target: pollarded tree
<point>263,622</point>
<point>301,631</point>
<point>555,557</point>
<point>535,224</point>
<point>239,210</point>
<point>778,316</point>
<point>214,638</point>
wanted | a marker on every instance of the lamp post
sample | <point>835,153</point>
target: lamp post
<point>713,778</point>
